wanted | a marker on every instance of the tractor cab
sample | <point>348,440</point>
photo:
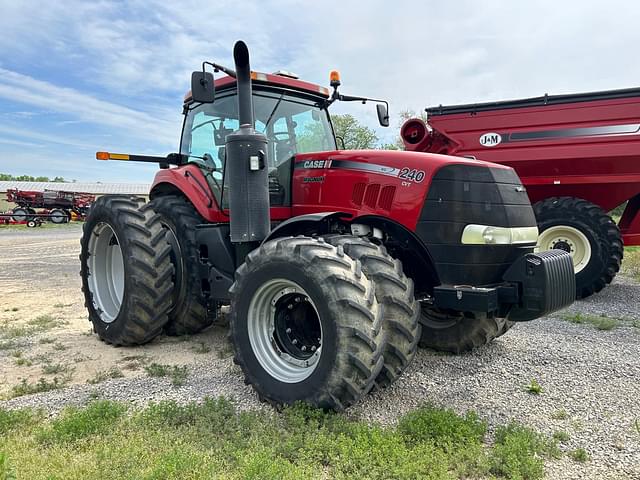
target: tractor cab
<point>291,114</point>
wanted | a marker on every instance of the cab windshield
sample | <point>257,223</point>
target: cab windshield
<point>291,124</point>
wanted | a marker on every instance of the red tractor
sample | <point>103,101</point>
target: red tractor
<point>336,264</point>
<point>578,156</point>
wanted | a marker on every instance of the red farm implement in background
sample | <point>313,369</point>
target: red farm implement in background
<point>57,206</point>
<point>577,155</point>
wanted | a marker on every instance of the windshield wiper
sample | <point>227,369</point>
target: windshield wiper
<point>273,112</point>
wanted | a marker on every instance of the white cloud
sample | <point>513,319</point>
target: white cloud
<point>160,127</point>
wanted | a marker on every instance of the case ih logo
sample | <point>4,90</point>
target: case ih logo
<point>490,139</point>
<point>313,164</point>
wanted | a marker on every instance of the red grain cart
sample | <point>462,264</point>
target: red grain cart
<point>59,206</point>
<point>577,155</point>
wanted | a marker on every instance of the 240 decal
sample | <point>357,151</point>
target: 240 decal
<point>411,174</point>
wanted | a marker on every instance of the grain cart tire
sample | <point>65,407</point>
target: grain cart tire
<point>20,215</point>
<point>305,324</point>
<point>588,234</point>
<point>126,270</point>
<point>58,216</point>
<point>394,291</point>
<point>189,312</point>
<point>458,333</point>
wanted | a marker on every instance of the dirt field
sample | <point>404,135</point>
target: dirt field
<point>43,322</point>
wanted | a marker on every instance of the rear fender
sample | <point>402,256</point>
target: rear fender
<point>189,181</point>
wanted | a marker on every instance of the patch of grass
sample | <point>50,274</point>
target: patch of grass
<point>42,323</point>
<point>213,440</point>
<point>178,374</point>
<point>55,368</point>
<point>9,332</point>
<point>561,436</point>
<point>59,347</point>
<point>46,340</point>
<point>519,452</point>
<point>631,262</point>
<point>7,344</point>
<point>560,414</point>
<point>601,322</point>
<point>42,385</point>
<point>104,375</point>
<point>579,455</point>
<point>76,424</point>
<point>534,387</point>
<point>157,370</point>
<point>23,362</point>
<point>201,348</point>
<point>16,353</point>
<point>134,362</point>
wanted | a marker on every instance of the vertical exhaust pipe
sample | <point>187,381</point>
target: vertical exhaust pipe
<point>247,172</point>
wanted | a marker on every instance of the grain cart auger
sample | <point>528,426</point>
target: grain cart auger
<point>336,264</point>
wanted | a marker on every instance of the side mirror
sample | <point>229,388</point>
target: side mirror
<point>383,114</point>
<point>203,89</point>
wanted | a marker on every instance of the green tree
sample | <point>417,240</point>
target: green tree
<point>355,135</point>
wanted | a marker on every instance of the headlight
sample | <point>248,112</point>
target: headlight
<point>489,235</point>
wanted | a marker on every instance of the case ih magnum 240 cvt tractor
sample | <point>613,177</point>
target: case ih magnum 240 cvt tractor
<point>336,264</point>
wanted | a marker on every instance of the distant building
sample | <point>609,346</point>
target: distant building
<point>141,189</point>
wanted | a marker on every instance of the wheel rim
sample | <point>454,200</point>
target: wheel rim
<point>284,330</point>
<point>570,240</point>
<point>106,272</point>
<point>57,216</point>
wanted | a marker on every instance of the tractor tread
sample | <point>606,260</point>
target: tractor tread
<point>350,305</point>
<point>394,292</point>
<point>145,303</point>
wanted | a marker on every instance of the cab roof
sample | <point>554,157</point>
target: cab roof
<point>258,78</point>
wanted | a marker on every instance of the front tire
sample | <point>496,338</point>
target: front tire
<point>296,292</point>
<point>395,292</point>
<point>588,234</point>
<point>189,312</point>
<point>126,271</point>
<point>457,333</point>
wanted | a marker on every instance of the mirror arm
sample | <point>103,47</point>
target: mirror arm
<point>220,68</point>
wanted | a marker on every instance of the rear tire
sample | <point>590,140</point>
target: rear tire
<point>127,300</point>
<point>395,292</point>
<point>588,234</point>
<point>189,312</point>
<point>457,333</point>
<point>58,216</point>
<point>339,308</point>
<point>20,215</point>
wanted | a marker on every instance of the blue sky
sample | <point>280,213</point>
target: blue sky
<point>76,77</point>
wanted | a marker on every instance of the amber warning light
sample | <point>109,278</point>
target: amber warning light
<point>111,156</point>
<point>334,78</point>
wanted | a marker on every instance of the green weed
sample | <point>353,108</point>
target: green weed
<point>534,387</point>
<point>178,374</point>
<point>42,385</point>
<point>561,436</point>
<point>601,322</point>
<point>579,455</point>
<point>104,375</point>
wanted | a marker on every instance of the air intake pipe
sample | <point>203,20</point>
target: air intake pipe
<point>247,172</point>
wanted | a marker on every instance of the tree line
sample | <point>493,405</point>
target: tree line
<point>6,177</point>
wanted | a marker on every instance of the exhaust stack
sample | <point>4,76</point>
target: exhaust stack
<point>246,163</point>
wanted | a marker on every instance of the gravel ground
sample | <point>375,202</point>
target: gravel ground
<point>591,375</point>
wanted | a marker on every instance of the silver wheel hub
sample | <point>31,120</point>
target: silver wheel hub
<point>284,330</point>
<point>106,272</point>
